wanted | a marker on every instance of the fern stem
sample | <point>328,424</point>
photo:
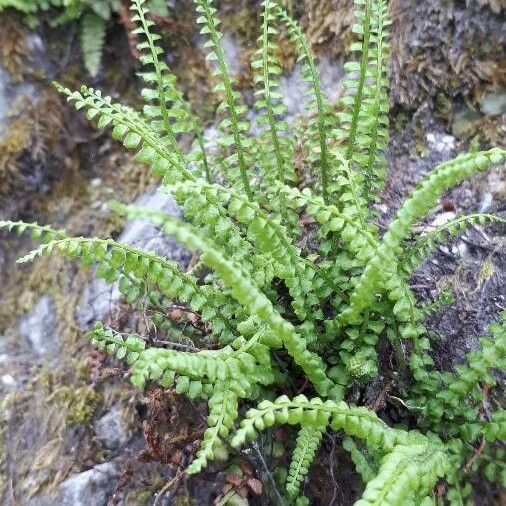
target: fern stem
<point>159,81</point>
<point>320,109</point>
<point>267,91</point>
<point>200,140</point>
<point>373,148</point>
<point>227,84</point>
<point>361,82</point>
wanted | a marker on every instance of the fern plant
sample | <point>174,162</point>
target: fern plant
<point>320,309</point>
<point>92,16</point>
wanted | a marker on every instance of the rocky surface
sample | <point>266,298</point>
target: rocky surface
<point>89,488</point>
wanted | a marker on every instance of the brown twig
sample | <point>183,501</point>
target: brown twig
<point>478,451</point>
<point>174,481</point>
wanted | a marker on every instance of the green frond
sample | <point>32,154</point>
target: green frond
<point>277,147</point>
<point>404,473</point>
<point>364,467</point>
<point>162,364</point>
<point>243,289</point>
<point>130,129</point>
<point>457,395</point>
<point>43,233</point>
<point>222,414</point>
<point>265,233</point>
<point>306,446</point>
<point>236,122</point>
<point>431,239</point>
<point>364,116</point>
<point>93,28</point>
<point>423,198</point>
<point>354,421</point>
<point>318,104</point>
<point>167,111</point>
<point>115,258</point>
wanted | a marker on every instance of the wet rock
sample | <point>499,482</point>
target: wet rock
<point>111,429</point>
<point>89,488</point>
<point>40,327</point>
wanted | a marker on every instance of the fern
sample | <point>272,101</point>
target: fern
<point>92,15</point>
<point>277,305</point>
<point>307,443</point>
<point>93,29</point>
<point>317,103</point>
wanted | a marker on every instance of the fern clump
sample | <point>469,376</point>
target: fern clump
<point>92,16</point>
<point>263,299</point>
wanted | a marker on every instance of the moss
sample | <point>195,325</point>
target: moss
<point>13,48</point>
<point>80,404</point>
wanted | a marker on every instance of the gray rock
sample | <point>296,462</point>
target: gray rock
<point>90,488</point>
<point>97,301</point>
<point>40,327</point>
<point>494,102</point>
<point>111,429</point>
<point>144,234</point>
<point>232,51</point>
<point>99,298</point>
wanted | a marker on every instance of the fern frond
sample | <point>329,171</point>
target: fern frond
<point>423,198</point>
<point>161,364</point>
<point>222,414</point>
<point>310,73</point>
<point>427,242</point>
<point>204,206</point>
<point>236,120</point>
<point>244,291</point>
<point>268,235</point>
<point>365,468</point>
<point>458,394</point>
<point>115,258</point>
<point>93,28</point>
<point>277,146</point>
<point>354,421</point>
<point>43,233</point>
<point>166,109</point>
<point>306,445</point>
<point>130,129</point>
<point>365,109</point>
<point>404,473</point>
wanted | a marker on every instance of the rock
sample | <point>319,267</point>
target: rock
<point>40,327</point>
<point>232,51</point>
<point>442,143</point>
<point>97,301</point>
<point>99,298</point>
<point>144,234</point>
<point>111,429</point>
<point>486,203</point>
<point>441,219</point>
<point>293,87</point>
<point>494,103</point>
<point>89,488</point>
<point>464,124</point>
<point>8,381</point>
